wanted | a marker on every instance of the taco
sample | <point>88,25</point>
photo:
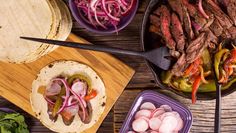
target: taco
<point>68,96</point>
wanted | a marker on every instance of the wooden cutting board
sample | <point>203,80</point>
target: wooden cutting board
<point>16,80</point>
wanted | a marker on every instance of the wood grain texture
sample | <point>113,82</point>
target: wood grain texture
<point>16,80</point>
<point>203,111</point>
<point>35,125</point>
<point>129,38</point>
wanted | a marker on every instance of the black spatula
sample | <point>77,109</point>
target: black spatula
<point>156,56</point>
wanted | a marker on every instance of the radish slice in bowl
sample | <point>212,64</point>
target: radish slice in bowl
<point>167,112</point>
<point>140,125</point>
<point>148,105</point>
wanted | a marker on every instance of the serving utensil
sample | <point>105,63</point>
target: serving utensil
<point>157,56</point>
<point>217,123</point>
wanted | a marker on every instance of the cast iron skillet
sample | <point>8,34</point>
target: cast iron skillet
<point>147,43</point>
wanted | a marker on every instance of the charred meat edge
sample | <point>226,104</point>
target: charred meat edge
<point>165,27</point>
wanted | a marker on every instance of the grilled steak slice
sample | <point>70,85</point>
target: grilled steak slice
<point>179,66</point>
<point>232,32</point>
<point>226,34</point>
<point>165,27</point>
<point>194,13</point>
<point>223,19</point>
<point>177,32</point>
<point>216,28</point>
<point>155,27</point>
<point>177,6</point>
<point>229,33</point>
<point>231,9</point>
<point>88,113</point>
<point>158,12</point>
<point>195,44</point>
<point>194,48</point>
<point>187,24</point>
<point>155,30</point>
<point>155,20</point>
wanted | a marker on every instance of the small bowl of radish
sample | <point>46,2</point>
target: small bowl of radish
<point>103,16</point>
<point>152,112</point>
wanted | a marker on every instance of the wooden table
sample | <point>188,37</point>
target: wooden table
<point>203,111</point>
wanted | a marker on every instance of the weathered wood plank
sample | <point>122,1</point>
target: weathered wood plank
<point>203,111</point>
<point>36,127</point>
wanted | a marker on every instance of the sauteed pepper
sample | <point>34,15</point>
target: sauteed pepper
<point>58,102</point>
<point>217,60</point>
<point>224,63</point>
<point>195,87</point>
<point>193,77</point>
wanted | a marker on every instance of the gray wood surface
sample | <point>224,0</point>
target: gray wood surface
<point>203,111</point>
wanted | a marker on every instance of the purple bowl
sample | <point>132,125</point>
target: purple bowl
<point>7,110</point>
<point>123,22</point>
<point>158,100</point>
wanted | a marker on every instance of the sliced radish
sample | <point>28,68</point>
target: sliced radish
<point>148,105</point>
<point>154,123</point>
<point>140,125</point>
<point>151,131</point>
<point>79,88</point>
<point>130,132</point>
<point>143,112</point>
<point>168,124</point>
<point>157,112</point>
<point>167,114</point>
<point>145,118</point>
<point>167,108</point>
<point>179,125</point>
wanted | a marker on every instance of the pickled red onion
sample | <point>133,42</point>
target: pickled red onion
<point>104,13</point>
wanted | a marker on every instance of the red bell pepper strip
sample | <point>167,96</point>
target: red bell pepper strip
<point>91,95</point>
<point>193,68</point>
<point>195,87</point>
<point>228,63</point>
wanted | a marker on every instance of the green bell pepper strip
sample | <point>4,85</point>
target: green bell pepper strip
<point>206,58</point>
<point>226,86</point>
<point>81,77</point>
<point>166,77</point>
<point>58,102</point>
<point>217,60</point>
<point>184,86</point>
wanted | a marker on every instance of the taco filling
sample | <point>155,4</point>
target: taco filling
<point>68,96</point>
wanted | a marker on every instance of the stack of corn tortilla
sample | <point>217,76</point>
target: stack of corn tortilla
<point>34,18</point>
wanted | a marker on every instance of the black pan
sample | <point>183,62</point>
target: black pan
<point>147,43</point>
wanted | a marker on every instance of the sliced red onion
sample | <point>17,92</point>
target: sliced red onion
<point>115,18</point>
<point>80,102</point>
<point>92,5</point>
<point>202,10</point>
<point>196,26</point>
<point>84,103</point>
<point>49,100</point>
<point>96,17</point>
<point>103,12</point>
<point>127,10</point>
<point>90,18</point>
<point>80,88</point>
<point>70,100</point>
<point>123,2</point>
<point>67,88</point>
